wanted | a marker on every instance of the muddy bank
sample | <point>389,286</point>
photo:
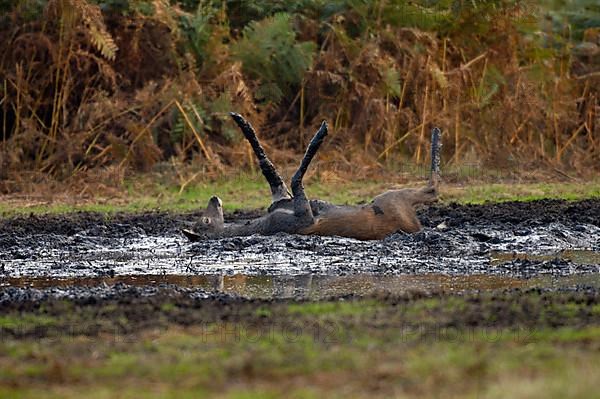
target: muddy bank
<point>297,288</point>
<point>130,310</point>
<point>519,240</point>
<point>516,214</point>
<point>504,265</point>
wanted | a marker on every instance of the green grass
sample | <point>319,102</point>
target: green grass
<point>246,192</point>
<point>249,191</point>
<point>359,348</point>
<point>479,193</point>
<point>333,308</point>
<point>185,363</point>
<point>26,321</point>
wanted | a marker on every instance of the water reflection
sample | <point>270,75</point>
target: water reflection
<point>579,256</point>
<point>310,286</point>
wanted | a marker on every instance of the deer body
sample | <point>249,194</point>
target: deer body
<point>388,213</point>
<point>293,213</point>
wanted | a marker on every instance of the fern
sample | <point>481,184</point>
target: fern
<point>119,6</point>
<point>270,53</point>
<point>28,10</point>
<point>489,86</point>
<point>181,130</point>
<point>391,81</point>
<point>211,116</point>
<point>127,7</point>
<point>424,15</point>
<point>91,16</point>
<point>220,108</point>
<point>574,15</point>
<point>197,30</point>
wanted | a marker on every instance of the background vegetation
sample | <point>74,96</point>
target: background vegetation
<point>137,85</point>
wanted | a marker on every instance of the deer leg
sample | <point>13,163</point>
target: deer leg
<point>436,146</point>
<point>302,207</point>
<point>279,190</point>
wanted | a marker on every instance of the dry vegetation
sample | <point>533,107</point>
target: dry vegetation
<point>122,85</point>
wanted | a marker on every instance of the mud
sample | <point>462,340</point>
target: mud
<point>477,247</point>
<point>125,310</point>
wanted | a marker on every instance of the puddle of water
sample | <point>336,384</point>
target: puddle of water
<point>584,257</point>
<point>450,253</point>
<point>316,286</point>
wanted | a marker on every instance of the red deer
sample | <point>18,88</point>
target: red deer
<point>294,213</point>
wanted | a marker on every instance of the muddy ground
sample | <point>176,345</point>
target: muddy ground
<point>561,238</point>
<point>544,244</point>
<point>171,344</point>
<point>486,298</point>
<point>129,310</point>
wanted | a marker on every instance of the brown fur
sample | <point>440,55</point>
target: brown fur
<point>388,213</point>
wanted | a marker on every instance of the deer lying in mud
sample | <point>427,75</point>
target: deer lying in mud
<point>294,213</point>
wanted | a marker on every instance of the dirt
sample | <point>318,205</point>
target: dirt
<point>511,264</point>
<point>126,309</point>
<point>491,246</point>
<point>456,240</point>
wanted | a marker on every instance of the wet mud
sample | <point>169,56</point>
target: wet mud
<point>547,243</point>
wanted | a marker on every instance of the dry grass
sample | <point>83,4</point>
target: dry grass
<point>83,90</point>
